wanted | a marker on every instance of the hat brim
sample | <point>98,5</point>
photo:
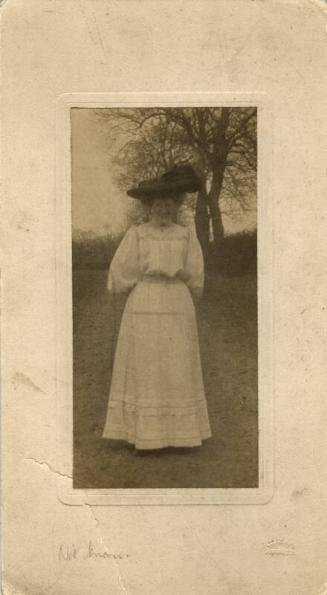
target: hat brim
<point>164,189</point>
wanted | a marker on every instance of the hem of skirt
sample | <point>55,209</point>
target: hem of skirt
<point>151,443</point>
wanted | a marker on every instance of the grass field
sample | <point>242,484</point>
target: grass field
<point>227,322</point>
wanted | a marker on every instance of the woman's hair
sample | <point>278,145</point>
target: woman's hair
<point>177,198</point>
<point>140,211</point>
<point>147,204</point>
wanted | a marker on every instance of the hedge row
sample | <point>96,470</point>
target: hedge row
<point>236,255</point>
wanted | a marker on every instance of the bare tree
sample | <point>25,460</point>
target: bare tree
<point>221,143</point>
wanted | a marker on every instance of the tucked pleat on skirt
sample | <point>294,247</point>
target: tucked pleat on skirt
<point>157,396</point>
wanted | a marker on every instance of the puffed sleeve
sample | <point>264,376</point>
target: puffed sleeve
<point>194,266</point>
<point>124,268</point>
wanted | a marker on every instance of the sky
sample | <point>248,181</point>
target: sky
<point>98,206</point>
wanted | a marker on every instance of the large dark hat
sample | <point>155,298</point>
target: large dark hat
<point>179,179</point>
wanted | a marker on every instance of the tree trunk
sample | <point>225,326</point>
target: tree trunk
<point>215,212</point>
<point>216,221</point>
<point>218,163</point>
<point>202,223</point>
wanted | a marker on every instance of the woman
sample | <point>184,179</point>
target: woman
<point>157,398</point>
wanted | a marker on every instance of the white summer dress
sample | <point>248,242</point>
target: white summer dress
<point>157,397</point>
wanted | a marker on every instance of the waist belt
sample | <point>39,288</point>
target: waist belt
<point>161,278</point>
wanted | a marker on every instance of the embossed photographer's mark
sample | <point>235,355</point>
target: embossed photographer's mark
<point>278,547</point>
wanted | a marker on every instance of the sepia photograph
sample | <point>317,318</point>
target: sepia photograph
<point>164,297</point>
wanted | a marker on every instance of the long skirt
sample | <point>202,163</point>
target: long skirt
<point>157,396</point>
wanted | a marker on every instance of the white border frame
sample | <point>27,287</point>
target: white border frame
<point>64,352</point>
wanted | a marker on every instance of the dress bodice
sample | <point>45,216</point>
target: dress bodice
<point>163,250</point>
<point>146,250</point>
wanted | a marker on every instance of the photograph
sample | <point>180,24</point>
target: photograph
<point>164,297</point>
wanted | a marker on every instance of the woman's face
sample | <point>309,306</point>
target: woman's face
<point>163,210</point>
